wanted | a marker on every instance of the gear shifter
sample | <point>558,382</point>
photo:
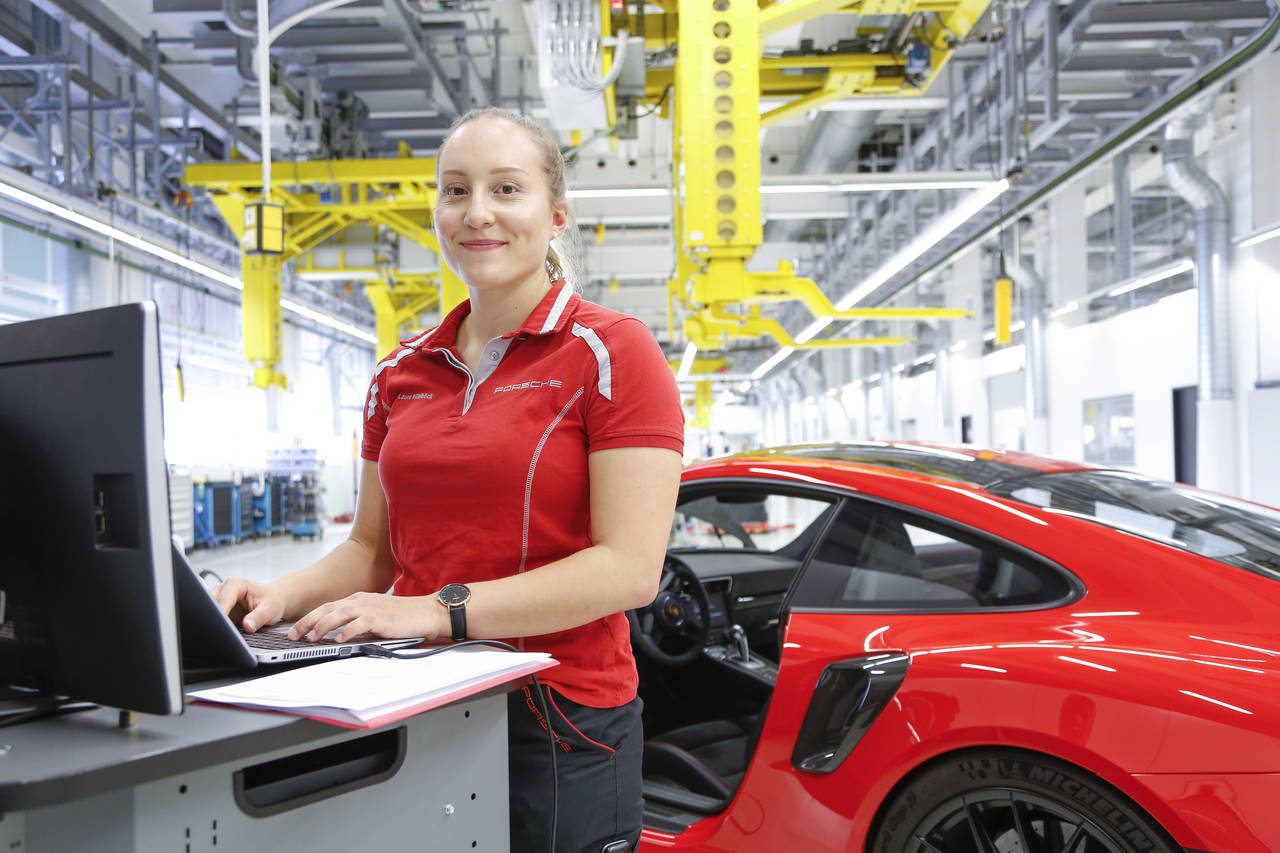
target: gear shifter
<point>740,642</point>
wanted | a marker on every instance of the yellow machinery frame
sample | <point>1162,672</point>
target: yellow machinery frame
<point>395,193</point>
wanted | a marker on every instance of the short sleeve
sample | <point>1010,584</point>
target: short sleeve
<point>375,421</point>
<point>632,398</point>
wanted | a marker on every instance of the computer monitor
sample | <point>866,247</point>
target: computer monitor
<point>86,575</point>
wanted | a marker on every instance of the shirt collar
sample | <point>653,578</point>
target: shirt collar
<point>549,316</point>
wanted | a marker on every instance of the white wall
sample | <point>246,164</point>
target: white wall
<point>1147,352</point>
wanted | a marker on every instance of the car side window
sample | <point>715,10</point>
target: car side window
<point>876,557</point>
<point>734,519</point>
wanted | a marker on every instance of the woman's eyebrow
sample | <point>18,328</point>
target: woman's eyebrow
<point>498,171</point>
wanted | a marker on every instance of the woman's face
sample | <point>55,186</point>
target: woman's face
<point>494,214</point>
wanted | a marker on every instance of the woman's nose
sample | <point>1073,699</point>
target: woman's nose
<point>478,210</point>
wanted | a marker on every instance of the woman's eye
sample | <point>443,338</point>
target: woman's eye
<point>454,191</point>
<point>508,189</point>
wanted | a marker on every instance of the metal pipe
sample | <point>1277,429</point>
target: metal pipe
<point>942,376</point>
<point>237,21</point>
<point>244,60</point>
<point>157,181</point>
<point>1189,180</point>
<point>884,358</point>
<point>1036,375</point>
<point>1122,210</point>
<point>264,93</point>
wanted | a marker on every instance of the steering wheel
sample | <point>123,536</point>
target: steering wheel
<point>673,629</point>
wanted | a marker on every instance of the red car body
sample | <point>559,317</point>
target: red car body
<point>1160,678</point>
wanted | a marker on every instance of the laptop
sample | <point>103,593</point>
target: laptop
<point>209,636</point>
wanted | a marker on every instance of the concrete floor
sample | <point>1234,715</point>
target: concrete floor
<point>268,558</point>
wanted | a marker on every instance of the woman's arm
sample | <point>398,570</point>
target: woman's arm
<point>633,496</point>
<point>361,563</point>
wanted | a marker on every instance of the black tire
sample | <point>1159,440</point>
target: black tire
<point>1008,800</point>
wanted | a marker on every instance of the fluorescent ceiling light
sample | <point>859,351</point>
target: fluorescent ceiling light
<point>745,386</point>
<point>686,363</point>
<point>1260,236</point>
<point>931,236</point>
<point>1167,271</point>
<point>99,227</point>
<point>1063,310</point>
<point>65,213</point>
<point>812,329</point>
<point>339,275</point>
<point>1018,326</point>
<point>957,346</point>
<point>875,186</point>
<point>619,192</point>
<point>326,320</point>
<point>924,359</point>
<point>772,362</point>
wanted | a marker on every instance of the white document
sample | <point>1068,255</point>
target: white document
<point>369,691</point>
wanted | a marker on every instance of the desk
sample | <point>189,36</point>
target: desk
<point>221,779</point>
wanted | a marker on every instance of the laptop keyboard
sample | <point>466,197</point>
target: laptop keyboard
<point>271,640</point>
<point>278,641</point>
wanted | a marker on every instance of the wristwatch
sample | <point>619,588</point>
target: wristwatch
<point>455,597</point>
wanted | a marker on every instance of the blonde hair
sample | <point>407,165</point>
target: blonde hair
<point>560,264</point>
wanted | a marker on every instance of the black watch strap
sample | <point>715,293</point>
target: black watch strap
<point>458,622</point>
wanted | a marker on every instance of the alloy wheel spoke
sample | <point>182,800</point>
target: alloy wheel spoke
<point>1075,839</point>
<point>926,846</point>
<point>981,837</point>
<point>1029,843</point>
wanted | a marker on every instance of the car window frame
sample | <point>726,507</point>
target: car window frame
<point>1010,550</point>
<point>778,487</point>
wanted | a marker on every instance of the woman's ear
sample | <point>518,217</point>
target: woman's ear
<point>559,218</point>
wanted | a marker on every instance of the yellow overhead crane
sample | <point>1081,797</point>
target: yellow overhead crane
<point>322,198</point>
<point>718,80</point>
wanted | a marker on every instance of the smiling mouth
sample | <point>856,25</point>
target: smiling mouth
<point>481,245</point>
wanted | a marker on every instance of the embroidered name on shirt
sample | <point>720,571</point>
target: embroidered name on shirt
<point>427,396</point>
<point>532,383</point>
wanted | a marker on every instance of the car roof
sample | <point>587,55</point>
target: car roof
<point>972,466</point>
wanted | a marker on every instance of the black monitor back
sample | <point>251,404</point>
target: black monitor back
<point>84,518</point>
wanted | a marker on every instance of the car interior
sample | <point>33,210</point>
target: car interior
<point>709,647</point>
<point>703,712</point>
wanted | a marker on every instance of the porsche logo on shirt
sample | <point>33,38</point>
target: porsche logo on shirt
<point>532,383</point>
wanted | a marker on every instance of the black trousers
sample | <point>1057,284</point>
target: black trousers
<point>598,755</point>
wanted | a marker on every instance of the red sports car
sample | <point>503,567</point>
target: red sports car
<point>906,647</point>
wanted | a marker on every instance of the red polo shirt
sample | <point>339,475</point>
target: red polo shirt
<point>486,475</point>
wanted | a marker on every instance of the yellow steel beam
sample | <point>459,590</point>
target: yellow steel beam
<point>700,364</point>
<point>419,232</point>
<point>717,97</point>
<point>247,176</point>
<point>710,328</point>
<point>702,399</point>
<point>782,15</point>
<point>837,88</point>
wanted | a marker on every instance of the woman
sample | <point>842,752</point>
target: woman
<point>521,467</point>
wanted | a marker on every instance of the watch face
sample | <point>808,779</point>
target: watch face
<point>454,594</point>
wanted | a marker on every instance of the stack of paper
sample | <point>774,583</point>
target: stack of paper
<point>367,692</point>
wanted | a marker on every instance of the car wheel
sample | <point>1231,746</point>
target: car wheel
<point>1007,801</point>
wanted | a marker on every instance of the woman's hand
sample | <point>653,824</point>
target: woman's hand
<point>253,603</point>
<point>387,616</point>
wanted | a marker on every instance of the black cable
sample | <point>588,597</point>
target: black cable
<point>381,652</point>
<point>55,706</point>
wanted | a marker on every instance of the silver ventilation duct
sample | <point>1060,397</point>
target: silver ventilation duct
<point>1189,180</point>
